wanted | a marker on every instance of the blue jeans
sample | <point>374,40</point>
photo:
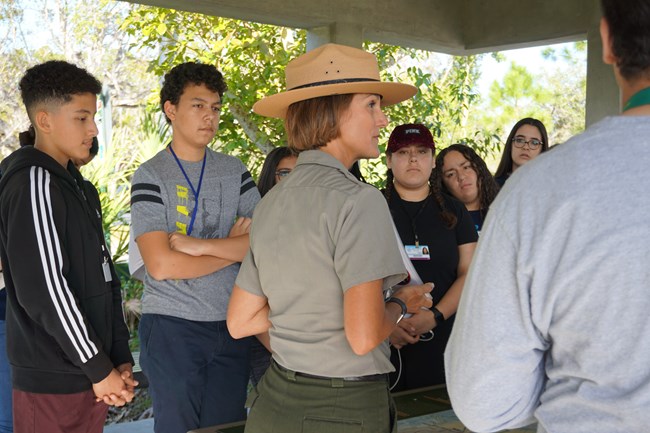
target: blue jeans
<point>260,360</point>
<point>198,374</point>
<point>6,423</point>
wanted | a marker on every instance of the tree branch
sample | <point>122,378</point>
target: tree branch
<point>250,128</point>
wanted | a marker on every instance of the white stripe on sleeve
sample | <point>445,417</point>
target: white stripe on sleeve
<point>52,262</point>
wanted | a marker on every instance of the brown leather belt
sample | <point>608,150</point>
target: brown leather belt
<point>368,378</point>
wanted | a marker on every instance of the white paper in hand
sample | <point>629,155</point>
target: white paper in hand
<point>136,264</point>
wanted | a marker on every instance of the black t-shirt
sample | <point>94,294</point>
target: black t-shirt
<point>501,180</point>
<point>422,364</point>
<point>441,241</point>
<point>477,217</point>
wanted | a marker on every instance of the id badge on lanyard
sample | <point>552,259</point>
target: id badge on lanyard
<point>417,252</point>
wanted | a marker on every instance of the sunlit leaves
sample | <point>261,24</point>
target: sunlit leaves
<point>555,96</point>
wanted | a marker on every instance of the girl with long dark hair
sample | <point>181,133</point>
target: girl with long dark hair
<point>527,139</point>
<point>465,176</point>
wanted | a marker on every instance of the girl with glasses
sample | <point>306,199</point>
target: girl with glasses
<point>277,165</point>
<point>527,139</point>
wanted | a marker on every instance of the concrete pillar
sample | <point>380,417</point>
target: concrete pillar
<point>317,36</point>
<point>603,95</point>
<point>338,33</point>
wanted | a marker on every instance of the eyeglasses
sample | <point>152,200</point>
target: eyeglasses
<point>533,143</point>
<point>283,172</point>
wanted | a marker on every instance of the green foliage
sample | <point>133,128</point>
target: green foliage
<point>252,58</point>
<point>556,97</point>
<point>498,56</point>
<point>565,104</point>
<point>132,291</point>
<point>10,13</point>
<point>446,93</point>
<point>85,32</point>
<point>11,108</point>
<point>112,174</point>
<point>514,92</point>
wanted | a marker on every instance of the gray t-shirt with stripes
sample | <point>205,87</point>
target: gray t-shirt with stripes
<point>162,200</point>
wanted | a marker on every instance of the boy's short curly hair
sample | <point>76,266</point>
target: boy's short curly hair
<point>55,82</point>
<point>181,75</point>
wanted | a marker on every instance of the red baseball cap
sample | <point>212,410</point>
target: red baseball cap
<point>409,134</point>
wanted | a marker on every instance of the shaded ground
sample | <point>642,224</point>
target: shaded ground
<point>139,408</point>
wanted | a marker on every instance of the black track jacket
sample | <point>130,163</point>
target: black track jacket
<point>65,327</point>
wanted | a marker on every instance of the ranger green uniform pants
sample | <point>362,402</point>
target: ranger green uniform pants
<point>287,402</point>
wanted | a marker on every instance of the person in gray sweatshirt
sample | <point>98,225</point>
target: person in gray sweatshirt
<point>553,323</point>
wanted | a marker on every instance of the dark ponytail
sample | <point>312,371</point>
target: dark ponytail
<point>447,216</point>
<point>27,138</point>
<point>356,172</point>
<point>388,187</point>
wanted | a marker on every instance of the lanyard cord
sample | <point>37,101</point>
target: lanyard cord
<point>415,217</point>
<point>94,217</point>
<point>194,191</point>
<point>642,97</point>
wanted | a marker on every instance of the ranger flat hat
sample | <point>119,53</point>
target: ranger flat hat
<point>332,69</point>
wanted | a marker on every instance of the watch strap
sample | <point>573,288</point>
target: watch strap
<point>437,316</point>
<point>402,305</point>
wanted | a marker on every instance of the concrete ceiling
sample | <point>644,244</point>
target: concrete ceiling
<point>446,26</point>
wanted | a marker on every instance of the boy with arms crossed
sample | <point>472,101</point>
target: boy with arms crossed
<point>197,372</point>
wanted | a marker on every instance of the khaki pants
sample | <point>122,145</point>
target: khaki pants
<point>284,402</point>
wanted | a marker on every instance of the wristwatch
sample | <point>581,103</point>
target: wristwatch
<point>402,305</point>
<point>437,316</point>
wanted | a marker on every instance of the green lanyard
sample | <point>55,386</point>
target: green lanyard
<point>642,97</point>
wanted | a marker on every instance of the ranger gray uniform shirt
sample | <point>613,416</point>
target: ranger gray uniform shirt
<point>316,234</point>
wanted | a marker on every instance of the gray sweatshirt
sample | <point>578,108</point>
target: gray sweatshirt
<point>554,320</point>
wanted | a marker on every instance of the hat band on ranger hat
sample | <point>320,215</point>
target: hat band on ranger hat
<point>342,80</point>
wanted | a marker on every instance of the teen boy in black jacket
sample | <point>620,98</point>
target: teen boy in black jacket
<point>67,340</point>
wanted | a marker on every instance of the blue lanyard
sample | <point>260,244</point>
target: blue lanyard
<point>194,191</point>
<point>642,97</point>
